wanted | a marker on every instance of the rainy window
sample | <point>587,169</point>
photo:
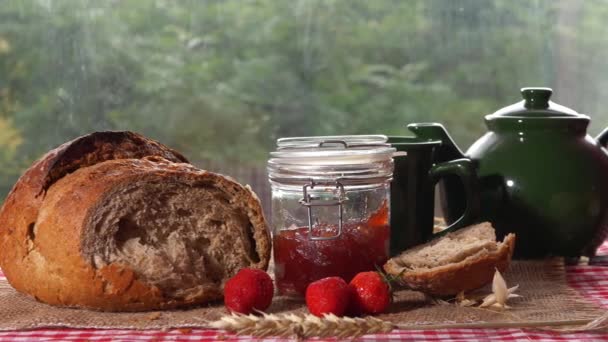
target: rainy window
<point>220,81</point>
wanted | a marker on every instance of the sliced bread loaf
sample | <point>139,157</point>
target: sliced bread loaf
<point>459,261</point>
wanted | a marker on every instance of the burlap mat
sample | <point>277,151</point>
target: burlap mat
<point>546,296</point>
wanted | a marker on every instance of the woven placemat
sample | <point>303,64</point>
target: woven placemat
<point>545,293</point>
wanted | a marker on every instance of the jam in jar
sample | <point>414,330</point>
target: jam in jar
<point>330,208</point>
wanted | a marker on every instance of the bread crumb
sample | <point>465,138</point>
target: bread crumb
<point>185,330</point>
<point>153,316</point>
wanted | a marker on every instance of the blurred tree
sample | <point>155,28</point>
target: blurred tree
<point>220,80</point>
<point>10,140</point>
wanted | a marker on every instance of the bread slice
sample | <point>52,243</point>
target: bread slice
<point>460,261</point>
<point>129,234</point>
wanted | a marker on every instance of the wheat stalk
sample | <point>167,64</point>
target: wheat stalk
<point>302,326</point>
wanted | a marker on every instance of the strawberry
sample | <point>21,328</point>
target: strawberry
<point>370,294</point>
<point>250,289</point>
<point>328,295</point>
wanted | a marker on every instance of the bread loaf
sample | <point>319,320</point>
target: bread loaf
<point>459,261</point>
<point>114,221</point>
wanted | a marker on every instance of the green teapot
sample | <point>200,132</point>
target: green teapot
<point>539,175</point>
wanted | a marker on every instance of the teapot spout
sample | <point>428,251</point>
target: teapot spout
<point>436,132</point>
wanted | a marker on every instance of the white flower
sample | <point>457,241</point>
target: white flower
<point>500,293</point>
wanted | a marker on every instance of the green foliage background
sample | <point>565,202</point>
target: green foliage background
<point>221,80</point>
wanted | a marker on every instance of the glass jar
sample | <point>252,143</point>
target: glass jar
<point>330,208</point>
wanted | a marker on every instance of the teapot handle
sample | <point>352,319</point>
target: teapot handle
<point>600,236</point>
<point>465,170</point>
<point>602,138</point>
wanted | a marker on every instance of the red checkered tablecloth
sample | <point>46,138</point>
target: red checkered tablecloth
<point>591,281</point>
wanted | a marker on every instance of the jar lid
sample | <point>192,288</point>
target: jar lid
<point>350,159</point>
<point>315,142</point>
<point>536,104</point>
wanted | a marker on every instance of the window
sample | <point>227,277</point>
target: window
<point>221,80</point>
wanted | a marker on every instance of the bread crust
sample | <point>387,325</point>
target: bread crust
<point>45,215</point>
<point>451,279</point>
<point>19,212</point>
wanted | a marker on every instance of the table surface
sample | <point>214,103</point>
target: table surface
<point>591,281</point>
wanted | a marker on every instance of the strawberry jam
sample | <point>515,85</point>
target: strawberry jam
<point>362,246</point>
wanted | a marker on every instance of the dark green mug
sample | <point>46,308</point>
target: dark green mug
<point>413,191</point>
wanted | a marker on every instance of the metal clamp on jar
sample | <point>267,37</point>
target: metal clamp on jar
<point>330,207</point>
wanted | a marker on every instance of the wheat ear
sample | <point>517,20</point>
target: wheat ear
<point>302,326</point>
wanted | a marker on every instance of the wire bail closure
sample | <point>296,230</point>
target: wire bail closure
<point>309,202</point>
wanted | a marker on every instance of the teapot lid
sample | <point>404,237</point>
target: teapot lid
<point>536,104</point>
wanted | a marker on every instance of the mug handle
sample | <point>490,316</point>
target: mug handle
<point>465,170</point>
